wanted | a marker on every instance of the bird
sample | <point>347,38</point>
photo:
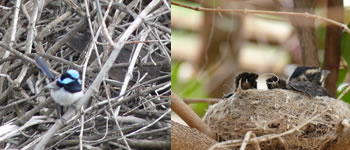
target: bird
<point>244,81</point>
<point>253,80</point>
<point>66,90</point>
<point>309,80</point>
<point>275,82</point>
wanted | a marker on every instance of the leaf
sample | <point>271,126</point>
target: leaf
<point>346,97</point>
<point>174,72</point>
<point>192,88</point>
<point>345,47</point>
<point>341,76</point>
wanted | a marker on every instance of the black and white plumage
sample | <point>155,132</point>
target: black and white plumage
<point>309,80</point>
<point>246,80</point>
<point>67,89</point>
<point>275,82</point>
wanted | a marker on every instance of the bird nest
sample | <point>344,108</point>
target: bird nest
<point>281,119</point>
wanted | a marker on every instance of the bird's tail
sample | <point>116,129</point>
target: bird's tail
<point>41,63</point>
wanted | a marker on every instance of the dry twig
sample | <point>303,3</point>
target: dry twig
<point>67,35</point>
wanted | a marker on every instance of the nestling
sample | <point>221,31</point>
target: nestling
<point>309,80</point>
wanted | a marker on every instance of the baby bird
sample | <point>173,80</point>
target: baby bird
<point>275,82</point>
<point>309,80</point>
<point>248,80</point>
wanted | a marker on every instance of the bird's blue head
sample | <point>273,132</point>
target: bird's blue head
<point>70,81</point>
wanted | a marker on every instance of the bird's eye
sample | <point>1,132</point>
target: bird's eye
<point>318,76</point>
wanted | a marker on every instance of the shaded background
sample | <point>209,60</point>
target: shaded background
<point>210,48</point>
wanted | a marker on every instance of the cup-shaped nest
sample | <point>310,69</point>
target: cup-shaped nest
<point>267,112</point>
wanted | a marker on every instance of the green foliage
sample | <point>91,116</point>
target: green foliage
<point>342,73</point>
<point>345,53</point>
<point>345,47</point>
<point>188,89</point>
<point>346,97</point>
<point>341,77</point>
<point>321,37</point>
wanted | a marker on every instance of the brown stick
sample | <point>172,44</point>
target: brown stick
<point>201,100</point>
<point>332,49</point>
<point>280,13</point>
<point>191,118</point>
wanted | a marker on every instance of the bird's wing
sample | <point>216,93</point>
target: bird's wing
<point>309,88</point>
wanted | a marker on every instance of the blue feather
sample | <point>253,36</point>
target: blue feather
<point>44,67</point>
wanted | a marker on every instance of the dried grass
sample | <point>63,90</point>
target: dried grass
<point>63,38</point>
<point>268,113</point>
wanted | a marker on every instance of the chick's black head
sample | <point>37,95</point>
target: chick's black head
<point>314,75</point>
<point>246,80</point>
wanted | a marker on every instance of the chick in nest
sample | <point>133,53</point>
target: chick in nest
<point>247,81</point>
<point>275,82</point>
<point>309,80</point>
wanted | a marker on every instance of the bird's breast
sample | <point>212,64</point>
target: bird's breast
<point>64,97</point>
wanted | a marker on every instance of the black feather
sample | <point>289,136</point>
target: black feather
<point>275,83</point>
<point>308,80</point>
<point>248,80</point>
<point>309,88</point>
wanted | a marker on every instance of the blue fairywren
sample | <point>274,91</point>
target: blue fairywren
<point>67,89</point>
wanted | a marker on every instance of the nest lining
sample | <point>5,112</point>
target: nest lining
<point>277,111</point>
